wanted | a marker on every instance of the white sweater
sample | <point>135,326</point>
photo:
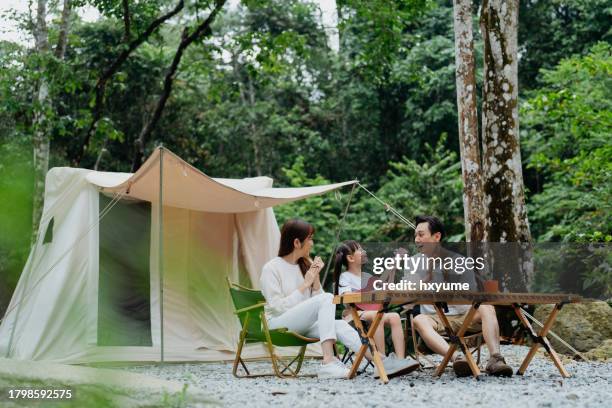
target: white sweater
<point>349,282</point>
<point>279,284</point>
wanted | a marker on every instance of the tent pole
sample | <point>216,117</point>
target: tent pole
<point>337,238</point>
<point>160,251</point>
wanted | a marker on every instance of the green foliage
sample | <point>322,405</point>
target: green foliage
<point>267,96</point>
<point>376,29</point>
<point>571,267</point>
<point>566,129</point>
<point>323,212</point>
<point>175,400</point>
<point>16,184</point>
<point>555,29</point>
<point>102,394</point>
<point>430,187</point>
<point>598,276</point>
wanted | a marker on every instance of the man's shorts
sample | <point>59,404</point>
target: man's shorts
<point>455,322</point>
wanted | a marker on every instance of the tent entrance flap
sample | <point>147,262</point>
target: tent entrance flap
<point>124,301</point>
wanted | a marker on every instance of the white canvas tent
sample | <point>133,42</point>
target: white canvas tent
<point>90,290</point>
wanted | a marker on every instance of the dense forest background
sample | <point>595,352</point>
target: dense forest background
<point>263,93</point>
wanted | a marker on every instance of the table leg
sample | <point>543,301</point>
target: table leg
<point>540,339</point>
<point>452,346</point>
<point>457,340</point>
<point>367,339</point>
<point>460,335</point>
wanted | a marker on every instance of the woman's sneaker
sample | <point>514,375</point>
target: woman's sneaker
<point>333,369</point>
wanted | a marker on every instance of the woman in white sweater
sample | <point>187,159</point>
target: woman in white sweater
<point>295,300</point>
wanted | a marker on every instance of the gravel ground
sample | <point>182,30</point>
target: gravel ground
<point>542,386</point>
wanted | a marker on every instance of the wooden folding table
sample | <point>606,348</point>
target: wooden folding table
<point>439,300</point>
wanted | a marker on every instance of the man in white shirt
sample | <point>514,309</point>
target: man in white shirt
<point>428,234</point>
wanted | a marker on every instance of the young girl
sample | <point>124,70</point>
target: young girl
<point>350,255</point>
<point>295,300</point>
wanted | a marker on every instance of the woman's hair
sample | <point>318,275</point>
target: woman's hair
<point>343,250</point>
<point>292,229</point>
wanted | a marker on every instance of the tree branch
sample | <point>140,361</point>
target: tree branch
<point>203,29</point>
<point>113,68</point>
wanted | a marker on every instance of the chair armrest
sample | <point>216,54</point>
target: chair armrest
<point>304,338</point>
<point>253,307</point>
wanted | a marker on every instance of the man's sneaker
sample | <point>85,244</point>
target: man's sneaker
<point>395,367</point>
<point>461,367</point>
<point>333,369</point>
<point>497,366</point>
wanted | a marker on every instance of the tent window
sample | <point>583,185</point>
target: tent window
<point>49,232</point>
<point>124,304</point>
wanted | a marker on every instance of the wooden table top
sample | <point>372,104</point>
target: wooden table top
<point>455,297</point>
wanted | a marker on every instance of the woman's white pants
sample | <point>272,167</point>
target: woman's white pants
<point>316,317</point>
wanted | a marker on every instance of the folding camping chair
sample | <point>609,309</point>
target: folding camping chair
<point>347,357</point>
<point>249,306</point>
<point>474,342</point>
<point>511,333</point>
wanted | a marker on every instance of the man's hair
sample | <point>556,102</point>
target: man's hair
<point>434,224</point>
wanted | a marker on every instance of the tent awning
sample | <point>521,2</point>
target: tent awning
<point>184,186</point>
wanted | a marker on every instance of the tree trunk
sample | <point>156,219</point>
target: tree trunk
<point>473,202</point>
<point>62,40</point>
<point>253,126</point>
<point>249,106</point>
<point>40,137</point>
<point>506,219</point>
<point>330,20</point>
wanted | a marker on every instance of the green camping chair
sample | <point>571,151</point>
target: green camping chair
<point>249,305</point>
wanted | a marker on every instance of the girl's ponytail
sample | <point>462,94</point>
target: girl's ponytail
<point>339,259</point>
<point>344,249</point>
